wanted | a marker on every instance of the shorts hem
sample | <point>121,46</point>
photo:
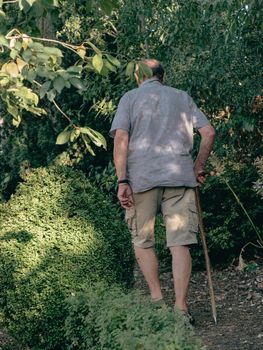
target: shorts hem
<point>181,244</point>
<point>151,245</point>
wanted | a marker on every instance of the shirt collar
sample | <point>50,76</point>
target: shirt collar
<point>151,80</point>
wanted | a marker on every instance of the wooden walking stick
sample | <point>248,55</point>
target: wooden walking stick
<point>207,260</point>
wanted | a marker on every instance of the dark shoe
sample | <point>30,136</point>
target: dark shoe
<point>189,317</point>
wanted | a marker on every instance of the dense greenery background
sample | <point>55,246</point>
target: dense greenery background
<point>63,67</point>
<point>211,49</point>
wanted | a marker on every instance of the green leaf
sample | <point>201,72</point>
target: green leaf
<point>44,89</point>
<point>42,57</point>
<point>139,72</point>
<point>94,47</point>
<point>113,60</point>
<point>96,137</point>
<point>77,82</point>
<point>13,53</point>
<point>59,84</point>
<point>110,66</point>
<point>27,54</point>
<point>18,45</point>
<point>31,75</point>
<point>26,94</point>
<point>4,81</point>
<point>130,69</point>
<point>146,70</point>
<point>64,74</point>
<point>35,110</point>
<point>13,110</point>
<point>3,41</point>
<point>106,6</point>
<point>105,71</point>
<point>86,142</point>
<point>97,62</point>
<point>63,137</point>
<point>74,135</point>
<point>75,70</point>
<point>42,71</point>
<point>16,121</point>
<point>36,46</point>
<point>51,95</point>
<point>53,51</point>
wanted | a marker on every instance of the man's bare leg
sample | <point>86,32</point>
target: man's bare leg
<point>148,263</point>
<point>182,267</point>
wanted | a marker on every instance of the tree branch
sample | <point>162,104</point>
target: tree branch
<point>63,113</point>
<point>9,2</point>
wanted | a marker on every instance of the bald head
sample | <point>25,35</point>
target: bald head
<point>156,68</point>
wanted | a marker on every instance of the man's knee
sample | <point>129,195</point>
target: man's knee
<point>176,248</point>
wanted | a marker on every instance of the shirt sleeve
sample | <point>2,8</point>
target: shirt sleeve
<point>122,116</point>
<point>198,117</point>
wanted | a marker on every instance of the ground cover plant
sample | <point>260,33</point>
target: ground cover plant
<point>106,318</point>
<point>57,232</point>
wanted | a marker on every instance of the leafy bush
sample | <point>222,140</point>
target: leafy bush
<point>107,318</point>
<point>56,233</point>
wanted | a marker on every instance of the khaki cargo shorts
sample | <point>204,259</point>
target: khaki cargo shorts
<point>177,205</point>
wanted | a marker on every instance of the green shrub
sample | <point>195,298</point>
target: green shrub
<point>56,233</point>
<point>107,318</point>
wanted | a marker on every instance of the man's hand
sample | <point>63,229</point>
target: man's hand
<point>200,174</point>
<point>207,140</point>
<point>125,196</point>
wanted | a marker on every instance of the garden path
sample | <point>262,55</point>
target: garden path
<point>239,299</point>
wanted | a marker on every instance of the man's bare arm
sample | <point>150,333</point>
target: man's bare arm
<point>121,142</point>
<point>207,141</point>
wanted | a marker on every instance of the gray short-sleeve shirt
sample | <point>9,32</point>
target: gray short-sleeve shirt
<point>160,121</point>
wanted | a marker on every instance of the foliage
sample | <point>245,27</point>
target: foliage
<point>107,318</point>
<point>258,185</point>
<point>209,48</point>
<point>30,61</point>
<point>58,232</point>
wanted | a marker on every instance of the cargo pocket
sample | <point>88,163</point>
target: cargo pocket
<point>193,218</point>
<point>130,219</point>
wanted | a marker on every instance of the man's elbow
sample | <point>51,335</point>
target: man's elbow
<point>211,132</point>
<point>208,132</point>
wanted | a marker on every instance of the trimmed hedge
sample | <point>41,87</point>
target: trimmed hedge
<point>106,318</point>
<point>57,233</point>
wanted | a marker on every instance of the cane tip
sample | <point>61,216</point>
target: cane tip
<point>215,320</point>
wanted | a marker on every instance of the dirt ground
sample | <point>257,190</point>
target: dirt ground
<point>239,299</point>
